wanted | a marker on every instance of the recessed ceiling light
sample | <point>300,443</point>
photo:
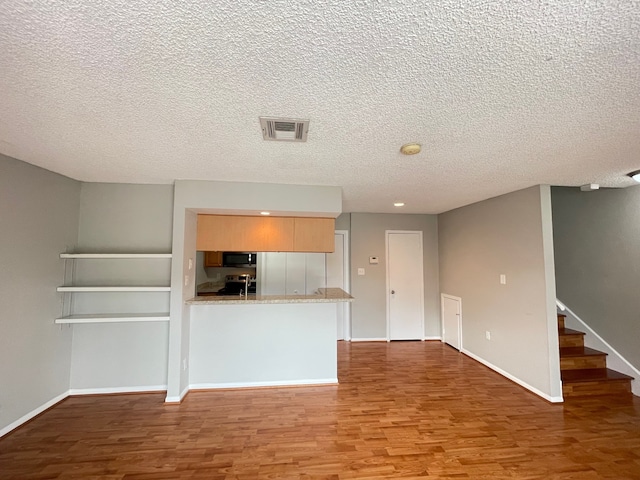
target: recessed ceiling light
<point>635,175</point>
<point>265,213</point>
<point>398,204</point>
<point>410,148</point>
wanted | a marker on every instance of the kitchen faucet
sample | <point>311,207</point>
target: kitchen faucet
<point>247,278</point>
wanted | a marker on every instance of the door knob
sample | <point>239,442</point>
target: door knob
<point>393,292</point>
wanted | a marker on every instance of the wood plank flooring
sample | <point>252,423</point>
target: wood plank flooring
<point>402,410</point>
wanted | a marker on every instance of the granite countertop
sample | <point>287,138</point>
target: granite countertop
<point>324,295</point>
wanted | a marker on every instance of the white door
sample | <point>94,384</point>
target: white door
<point>405,286</point>
<point>337,276</point>
<point>452,320</point>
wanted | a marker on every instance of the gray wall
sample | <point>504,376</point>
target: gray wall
<point>122,218</point>
<point>343,222</point>
<point>597,258</point>
<point>117,217</point>
<point>39,219</point>
<point>510,235</point>
<point>368,311</point>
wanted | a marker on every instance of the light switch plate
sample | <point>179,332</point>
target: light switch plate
<point>503,279</point>
<point>373,260</point>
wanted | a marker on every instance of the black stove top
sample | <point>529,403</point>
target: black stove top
<point>234,288</point>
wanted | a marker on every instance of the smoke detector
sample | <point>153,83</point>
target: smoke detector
<point>284,129</point>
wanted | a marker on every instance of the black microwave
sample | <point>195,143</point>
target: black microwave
<point>239,259</point>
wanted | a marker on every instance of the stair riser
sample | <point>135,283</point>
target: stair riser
<point>596,388</point>
<point>560,322</point>
<point>577,363</point>
<point>571,341</point>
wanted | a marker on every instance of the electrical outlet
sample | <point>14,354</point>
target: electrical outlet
<point>190,263</point>
<point>503,279</point>
<point>361,271</point>
<point>186,280</point>
<point>487,335</point>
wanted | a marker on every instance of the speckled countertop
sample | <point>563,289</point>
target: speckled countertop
<point>324,295</point>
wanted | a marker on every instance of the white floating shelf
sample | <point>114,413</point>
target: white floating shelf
<point>114,318</point>
<point>114,289</point>
<point>115,255</point>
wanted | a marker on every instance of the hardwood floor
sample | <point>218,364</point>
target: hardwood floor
<point>405,409</point>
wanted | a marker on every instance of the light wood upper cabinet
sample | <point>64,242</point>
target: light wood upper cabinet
<point>231,233</point>
<point>234,233</point>
<point>314,234</point>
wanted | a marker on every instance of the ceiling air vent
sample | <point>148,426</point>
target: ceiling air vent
<point>284,129</point>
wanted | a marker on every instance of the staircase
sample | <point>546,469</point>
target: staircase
<point>584,370</point>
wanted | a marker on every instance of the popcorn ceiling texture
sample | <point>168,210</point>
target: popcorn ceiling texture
<point>502,94</point>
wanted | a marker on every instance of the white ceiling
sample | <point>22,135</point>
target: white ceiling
<point>501,94</point>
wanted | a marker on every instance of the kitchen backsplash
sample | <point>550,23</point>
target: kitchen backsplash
<point>216,275</point>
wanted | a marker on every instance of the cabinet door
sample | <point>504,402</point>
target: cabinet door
<point>296,274</point>
<point>212,259</point>
<point>272,273</point>
<point>232,233</point>
<point>313,235</point>
<point>290,273</point>
<point>316,272</point>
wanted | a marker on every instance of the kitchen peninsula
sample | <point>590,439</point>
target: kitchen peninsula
<point>264,340</point>
<point>211,346</point>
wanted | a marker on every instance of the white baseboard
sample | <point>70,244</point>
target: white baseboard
<point>549,398</point>
<point>368,340</point>
<point>33,413</point>
<point>615,360</point>
<point>112,390</point>
<point>277,383</point>
<point>179,398</point>
<point>432,338</point>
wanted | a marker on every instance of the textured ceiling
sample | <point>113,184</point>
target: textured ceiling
<point>501,94</point>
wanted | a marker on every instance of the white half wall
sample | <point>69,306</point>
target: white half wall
<point>263,344</point>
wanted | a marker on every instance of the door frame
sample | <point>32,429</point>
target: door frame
<point>387,291</point>
<point>346,262</point>
<point>459,300</point>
